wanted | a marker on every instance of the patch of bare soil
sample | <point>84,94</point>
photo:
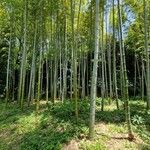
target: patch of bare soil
<point>4,135</point>
<point>102,127</point>
<point>72,145</point>
<point>118,141</point>
<point>121,141</point>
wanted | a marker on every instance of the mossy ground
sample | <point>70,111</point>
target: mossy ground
<point>55,127</point>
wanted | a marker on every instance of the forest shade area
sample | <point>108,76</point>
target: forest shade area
<point>85,52</point>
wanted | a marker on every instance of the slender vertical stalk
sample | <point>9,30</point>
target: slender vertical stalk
<point>109,59</point>
<point>94,74</point>
<point>135,74</point>
<point>39,86</point>
<point>114,59</point>
<point>147,52</point>
<point>32,66</point>
<point>64,89</point>
<point>8,71</point>
<point>83,75</point>
<point>125,88</point>
<point>23,61</point>
<point>39,78</point>
<point>74,59</point>
<point>103,89</point>
<point>142,79</point>
<point>47,80</point>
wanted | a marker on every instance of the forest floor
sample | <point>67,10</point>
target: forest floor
<point>54,127</point>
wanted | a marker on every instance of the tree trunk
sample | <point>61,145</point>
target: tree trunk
<point>147,53</point>
<point>94,74</point>
<point>125,88</point>
<point>114,59</point>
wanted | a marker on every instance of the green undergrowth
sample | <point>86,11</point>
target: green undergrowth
<point>55,126</point>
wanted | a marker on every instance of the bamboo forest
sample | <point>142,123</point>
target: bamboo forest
<point>74,74</point>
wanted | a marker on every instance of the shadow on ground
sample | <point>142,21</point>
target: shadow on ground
<point>57,124</point>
